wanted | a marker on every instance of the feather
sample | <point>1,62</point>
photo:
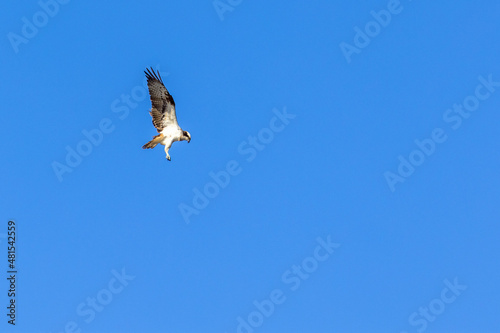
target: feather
<point>162,103</point>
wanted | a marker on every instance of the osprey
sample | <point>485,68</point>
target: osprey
<point>163,113</point>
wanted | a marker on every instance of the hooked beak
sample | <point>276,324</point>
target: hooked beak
<point>187,136</point>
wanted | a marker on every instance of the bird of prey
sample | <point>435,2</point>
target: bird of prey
<point>163,113</point>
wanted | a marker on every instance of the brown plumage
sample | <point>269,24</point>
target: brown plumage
<point>163,114</point>
<point>156,140</point>
<point>162,103</point>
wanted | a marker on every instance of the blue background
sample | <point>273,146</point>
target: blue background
<point>323,175</point>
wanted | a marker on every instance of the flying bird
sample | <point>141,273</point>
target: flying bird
<point>163,113</point>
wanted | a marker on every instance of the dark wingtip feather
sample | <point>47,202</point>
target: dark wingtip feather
<point>148,74</point>
<point>152,75</point>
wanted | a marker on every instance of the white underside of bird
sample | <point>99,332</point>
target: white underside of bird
<point>170,134</point>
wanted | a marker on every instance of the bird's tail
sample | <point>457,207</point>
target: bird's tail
<point>156,140</point>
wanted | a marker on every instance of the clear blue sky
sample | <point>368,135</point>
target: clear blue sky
<point>355,147</point>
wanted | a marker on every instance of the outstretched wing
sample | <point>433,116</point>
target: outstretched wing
<point>162,103</point>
